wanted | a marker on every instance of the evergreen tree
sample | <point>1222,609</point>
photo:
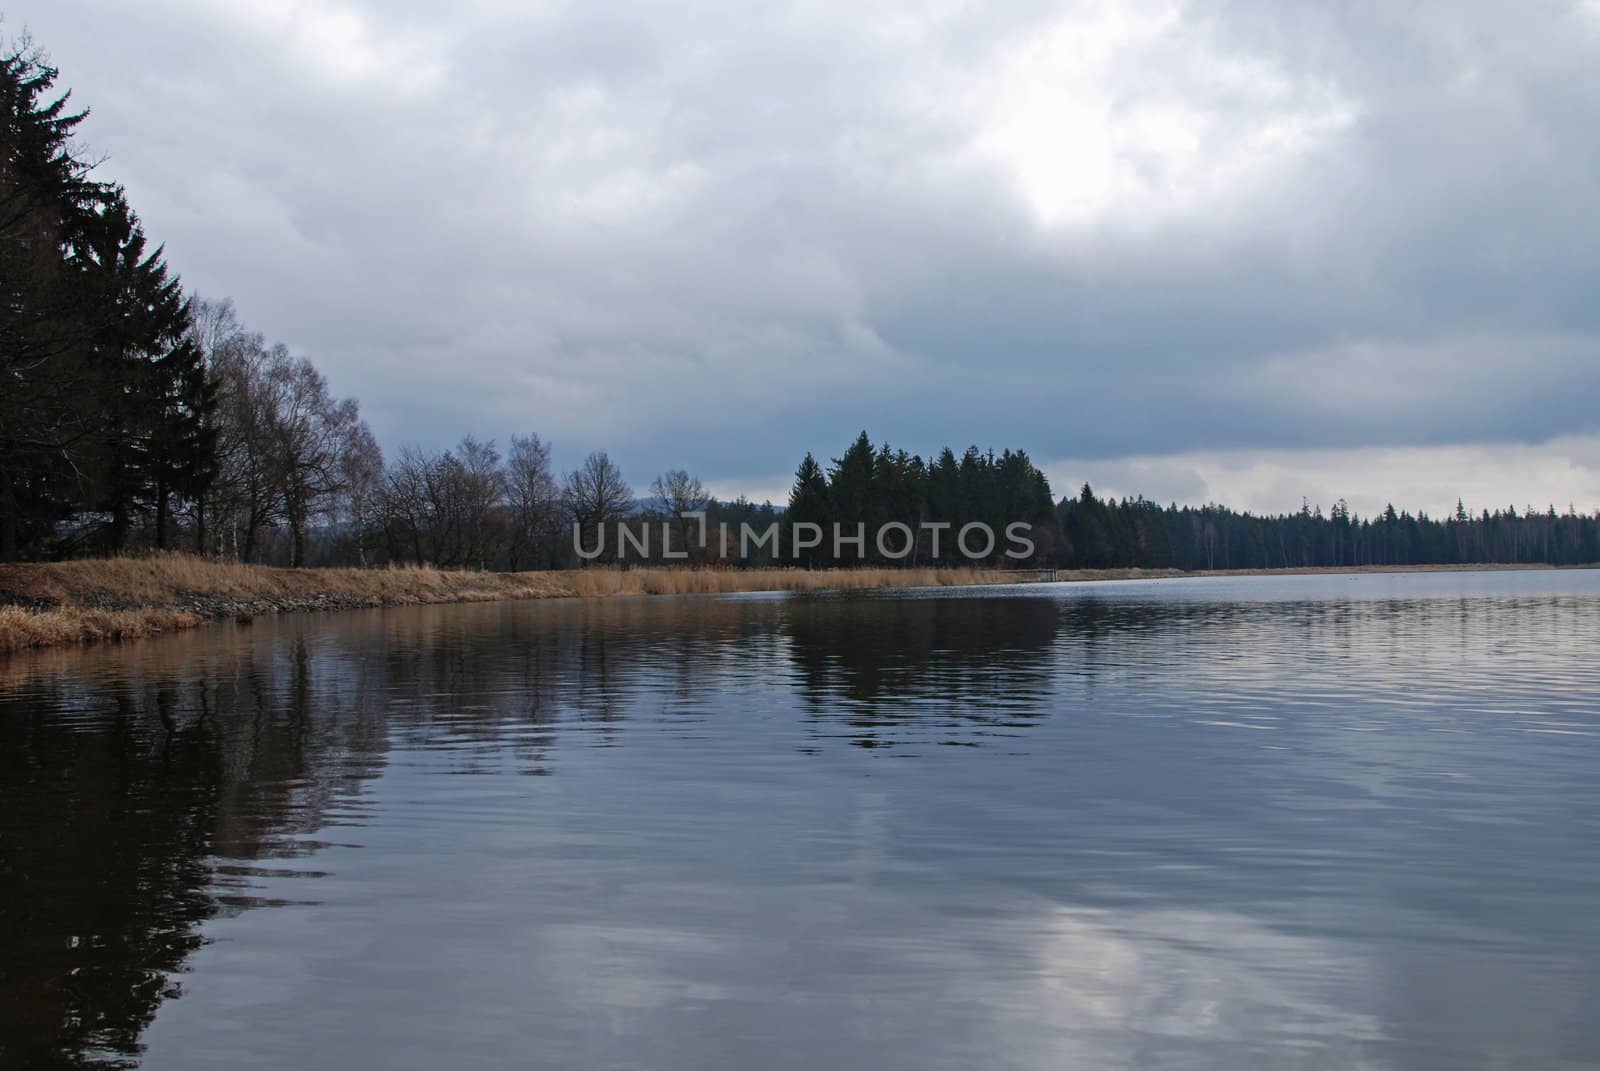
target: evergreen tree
<point>944,489</point>
<point>851,493</point>
<point>106,401</point>
<point>46,411</point>
<point>158,441</point>
<point>808,504</point>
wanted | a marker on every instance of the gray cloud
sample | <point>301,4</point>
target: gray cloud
<point>698,236</point>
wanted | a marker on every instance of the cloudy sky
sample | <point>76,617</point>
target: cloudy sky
<point>1243,251</point>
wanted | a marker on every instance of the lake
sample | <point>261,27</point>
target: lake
<point>1301,821</point>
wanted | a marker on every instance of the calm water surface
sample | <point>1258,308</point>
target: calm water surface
<point>1337,822</point>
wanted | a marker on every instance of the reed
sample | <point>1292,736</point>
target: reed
<point>49,604</point>
<point>666,581</point>
<point>93,600</point>
<point>22,628</point>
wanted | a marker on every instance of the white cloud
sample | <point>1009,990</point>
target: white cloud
<point>1130,114</point>
<point>342,43</point>
<point>702,236</point>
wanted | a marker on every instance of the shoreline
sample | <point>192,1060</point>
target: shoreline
<point>51,604</point>
<point>1085,575</point>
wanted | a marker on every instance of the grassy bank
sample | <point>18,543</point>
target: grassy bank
<point>47,604</point>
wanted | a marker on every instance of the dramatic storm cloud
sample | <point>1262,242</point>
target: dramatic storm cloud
<point>1350,249</point>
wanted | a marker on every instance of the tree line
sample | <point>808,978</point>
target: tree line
<point>1135,532</point>
<point>868,487</point>
<point>135,415</point>
<point>1083,531</point>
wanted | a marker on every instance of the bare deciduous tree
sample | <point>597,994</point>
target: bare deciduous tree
<point>446,509</point>
<point>676,493</point>
<point>596,494</point>
<point>361,474</point>
<point>534,501</point>
<point>406,524</point>
<point>287,451</point>
<point>480,494</point>
<point>308,431</point>
<point>245,498</point>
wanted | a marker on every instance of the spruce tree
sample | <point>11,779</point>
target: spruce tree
<point>45,415</point>
<point>808,504</point>
<point>851,488</point>
<point>944,489</point>
<point>157,442</point>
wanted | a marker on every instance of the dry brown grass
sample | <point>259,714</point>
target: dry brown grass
<point>21,629</point>
<point>123,598</point>
<point>166,579</point>
<point>587,583</point>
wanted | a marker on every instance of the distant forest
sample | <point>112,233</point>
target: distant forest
<point>134,415</point>
<point>1087,532</point>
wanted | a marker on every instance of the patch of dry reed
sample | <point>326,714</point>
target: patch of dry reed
<point>22,629</point>
<point>123,598</point>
